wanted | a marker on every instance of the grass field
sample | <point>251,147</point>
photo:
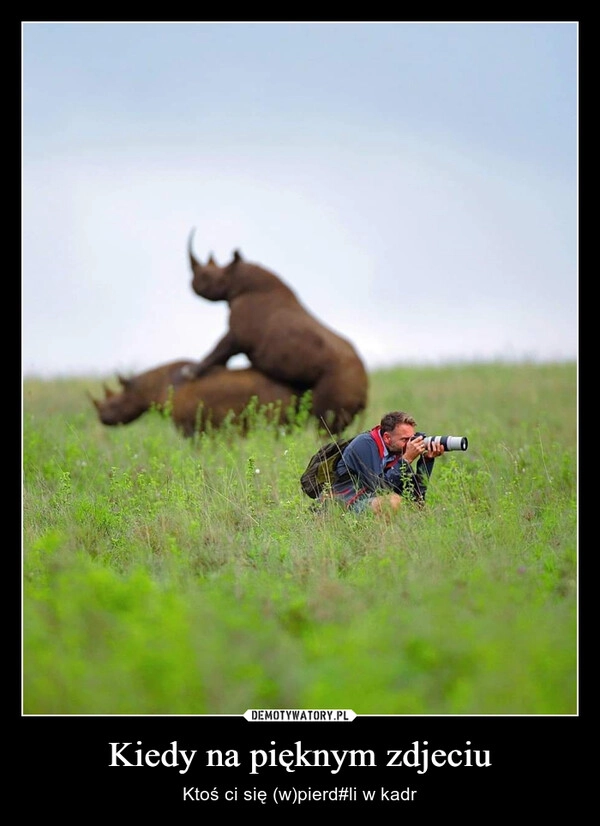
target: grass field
<point>171,576</point>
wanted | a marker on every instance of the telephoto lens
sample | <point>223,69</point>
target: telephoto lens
<point>448,442</point>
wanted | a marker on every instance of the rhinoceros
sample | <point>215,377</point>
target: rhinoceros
<point>281,338</point>
<point>219,395</point>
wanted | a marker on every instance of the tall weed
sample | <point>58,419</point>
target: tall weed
<point>173,576</point>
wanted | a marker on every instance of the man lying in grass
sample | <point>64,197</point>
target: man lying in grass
<point>375,469</point>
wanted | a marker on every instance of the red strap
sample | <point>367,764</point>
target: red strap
<point>376,436</point>
<point>348,502</point>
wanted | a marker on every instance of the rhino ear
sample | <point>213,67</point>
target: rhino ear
<point>237,256</point>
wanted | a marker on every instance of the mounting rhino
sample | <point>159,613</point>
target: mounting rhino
<point>195,405</point>
<point>281,338</point>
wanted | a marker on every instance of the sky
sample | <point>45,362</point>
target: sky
<point>415,184</point>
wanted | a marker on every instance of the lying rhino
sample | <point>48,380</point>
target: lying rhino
<point>194,404</point>
<point>281,339</point>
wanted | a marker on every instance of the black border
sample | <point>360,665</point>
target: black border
<point>534,763</point>
<point>537,762</point>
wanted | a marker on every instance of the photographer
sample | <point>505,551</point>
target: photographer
<point>375,469</point>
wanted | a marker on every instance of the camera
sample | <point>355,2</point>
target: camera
<point>448,442</point>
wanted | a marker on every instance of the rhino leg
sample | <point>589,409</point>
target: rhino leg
<point>220,355</point>
<point>334,405</point>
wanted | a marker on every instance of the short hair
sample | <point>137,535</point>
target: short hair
<point>396,417</point>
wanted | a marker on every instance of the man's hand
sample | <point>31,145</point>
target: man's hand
<point>416,447</point>
<point>435,449</point>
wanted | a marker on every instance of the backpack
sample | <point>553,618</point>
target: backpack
<point>320,471</point>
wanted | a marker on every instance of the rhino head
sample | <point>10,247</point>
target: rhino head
<point>120,407</point>
<point>217,283</point>
<point>138,394</point>
<point>209,280</point>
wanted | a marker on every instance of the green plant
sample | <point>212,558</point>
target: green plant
<point>189,576</point>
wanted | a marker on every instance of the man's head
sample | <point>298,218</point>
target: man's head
<point>397,428</point>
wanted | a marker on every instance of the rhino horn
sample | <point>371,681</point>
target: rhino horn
<point>237,256</point>
<point>193,260</point>
<point>123,381</point>
<point>211,261</point>
<point>108,393</point>
<point>94,401</point>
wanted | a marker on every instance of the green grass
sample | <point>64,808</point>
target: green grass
<point>171,576</point>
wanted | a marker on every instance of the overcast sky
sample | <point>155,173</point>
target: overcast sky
<point>414,183</point>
